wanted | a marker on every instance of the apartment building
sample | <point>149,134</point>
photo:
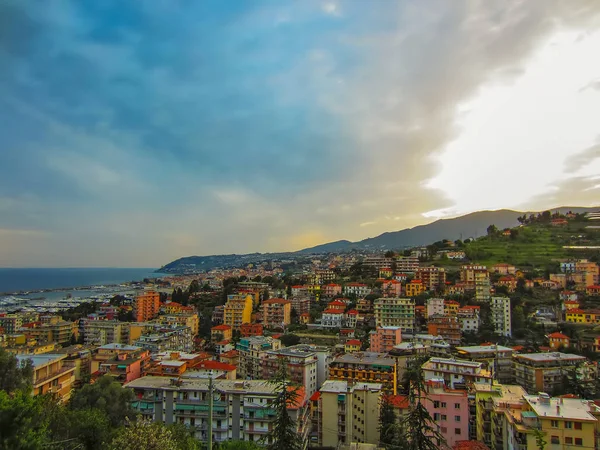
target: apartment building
<point>251,329</point>
<point>470,274</point>
<point>238,310</point>
<point>161,338</point>
<point>277,312</point>
<point>365,367</point>
<point>146,306</point>
<point>331,290</point>
<point>544,372</point>
<point>436,345</point>
<point>469,318</point>
<point>500,314</point>
<point>54,329</point>
<point>181,319</point>
<point>360,290</point>
<point>391,288</point>
<point>434,278</point>
<point>383,339</point>
<point>414,288</point>
<point>343,412</point>
<point>449,408</point>
<point>395,312</point>
<point>378,262</point>
<point>102,332</point>
<point>126,366</point>
<point>435,307</point>
<point>447,327</point>
<point>496,358</point>
<point>451,308</point>
<point>252,351</point>
<point>241,409</point>
<point>301,305</point>
<point>456,373</point>
<point>11,323</point>
<point>301,365</point>
<point>220,333</point>
<point>587,316</point>
<point>407,264</point>
<point>51,375</point>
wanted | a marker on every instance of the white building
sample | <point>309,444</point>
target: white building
<point>456,373</point>
<point>500,311</point>
<point>435,306</point>
<point>359,289</point>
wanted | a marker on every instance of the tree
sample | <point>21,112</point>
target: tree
<point>238,445</point>
<point>108,396</point>
<point>420,431</point>
<point>23,423</point>
<point>514,233</point>
<point>289,339</point>
<point>14,375</point>
<point>283,435</point>
<point>539,439</point>
<point>390,432</point>
<point>144,435</point>
<point>492,230</point>
<point>183,437</point>
<point>390,254</point>
<point>87,429</point>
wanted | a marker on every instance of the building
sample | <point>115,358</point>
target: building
<point>451,308</point>
<point>238,310</point>
<point>212,369</point>
<point>102,332</point>
<point>544,372</point>
<point>587,316</point>
<point>301,305</point>
<point>181,319</point>
<point>301,363</point>
<point>558,340</point>
<point>414,288</point>
<point>495,358</point>
<point>241,409</point>
<point>54,329</point>
<point>277,313</point>
<point>345,412</point>
<point>51,374</point>
<point>383,339</point>
<point>251,329</point>
<point>352,345</point>
<point>146,306</point>
<point>471,274</point>
<point>434,278</point>
<point>161,338</point>
<point>395,312</point>
<point>125,366</point>
<point>332,318</point>
<point>436,345</point>
<point>11,323</point>
<point>365,367</point>
<point>504,269</point>
<point>435,306</point>
<point>331,290</point>
<point>359,290</point>
<point>378,262</point>
<point>391,288</point>
<point>447,327</point>
<point>220,333</point>
<point>456,373</point>
<point>449,409</point>
<point>469,318</point>
<point>407,264</point>
<point>500,314</point>
<point>251,352</point>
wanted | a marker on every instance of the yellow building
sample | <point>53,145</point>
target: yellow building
<point>237,311</point>
<point>182,319</point>
<point>54,329</point>
<point>368,367</point>
<point>51,375</point>
<point>353,345</point>
<point>395,312</point>
<point>451,307</point>
<point>587,316</point>
<point>414,288</point>
<point>343,413</point>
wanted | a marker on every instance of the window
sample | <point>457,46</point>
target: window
<point>457,418</point>
<point>444,404</point>
<point>555,440</point>
<point>436,404</point>
<point>568,424</point>
<point>457,431</point>
<point>578,441</point>
<point>436,416</point>
<point>569,441</point>
<point>554,423</point>
<point>457,406</point>
<point>444,417</point>
<point>577,426</point>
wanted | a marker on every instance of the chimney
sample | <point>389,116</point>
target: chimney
<point>558,409</point>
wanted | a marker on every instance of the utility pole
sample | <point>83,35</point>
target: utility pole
<point>210,411</point>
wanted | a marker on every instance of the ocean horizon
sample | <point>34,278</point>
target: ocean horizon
<point>33,279</point>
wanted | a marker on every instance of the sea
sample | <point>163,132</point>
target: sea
<point>28,280</point>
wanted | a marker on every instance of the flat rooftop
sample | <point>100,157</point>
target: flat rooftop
<point>554,356</point>
<point>474,349</point>
<point>365,358</point>
<point>564,408</point>
<point>40,360</point>
<point>201,384</point>
<point>335,386</point>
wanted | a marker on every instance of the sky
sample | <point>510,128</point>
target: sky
<point>134,133</point>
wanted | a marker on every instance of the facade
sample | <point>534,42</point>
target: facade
<point>251,352</point>
<point>407,264</point>
<point>501,317</point>
<point>126,366</point>
<point>456,373</point>
<point>383,339</point>
<point>345,412</point>
<point>365,367</point>
<point>54,329</point>
<point>587,316</point>
<point>162,338</point>
<point>360,290</point>
<point>102,332</point>
<point>544,372</point>
<point>435,306</point>
<point>146,306</point>
<point>301,364</point>
<point>241,409</point>
<point>181,319</point>
<point>301,305</point>
<point>434,278</point>
<point>414,288</point>
<point>447,327</point>
<point>277,313</point>
<point>449,409</point>
<point>391,288</point>
<point>221,332</point>
<point>395,312</point>
<point>251,329</point>
<point>238,310</point>
<point>332,318</point>
<point>496,358</point>
<point>558,340</point>
<point>378,262</point>
<point>331,290</point>
<point>469,318</point>
<point>51,374</point>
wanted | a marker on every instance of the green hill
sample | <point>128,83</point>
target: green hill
<point>538,245</point>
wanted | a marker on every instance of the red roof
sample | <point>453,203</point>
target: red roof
<point>336,303</point>
<point>221,327</point>
<point>353,312</point>
<point>332,311</point>
<point>594,286</point>
<point>357,284</point>
<point>273,301</point>
<point>571,302</point>
<point>518,348</point>
<point>398,401</point>
<point>230,354</point>
<point>470,445</point>
<point>298,286</point>
<point>354,342</point>
<point>557,335</point>
<point>215,365</point>
<point>316,396</point>
<point>224,342</point>
<point>333,285</point>
<point>470,307</point>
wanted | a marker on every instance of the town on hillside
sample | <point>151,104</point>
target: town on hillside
<point>487,343</point>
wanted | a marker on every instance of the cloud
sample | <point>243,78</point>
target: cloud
<point>140,132</point>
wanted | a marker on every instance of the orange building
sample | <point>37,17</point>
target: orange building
<point>277,312</point>
<point>447,327</point>
<point>557,340</point>
<point>251,329</point>
<point>221,332</point>
<point>147,306</point>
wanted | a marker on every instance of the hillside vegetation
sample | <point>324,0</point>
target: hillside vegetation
<point>537,245</point>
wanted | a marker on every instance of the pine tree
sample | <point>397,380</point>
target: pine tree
<point>390,431</point>
<point>420,431</point>
<point>283,436</point>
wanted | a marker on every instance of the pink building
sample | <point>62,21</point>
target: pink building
<point>331,290</point>
<point>383,339</point>
<point>449,409</point>
<point>125,367</point>
<point>391,288</point>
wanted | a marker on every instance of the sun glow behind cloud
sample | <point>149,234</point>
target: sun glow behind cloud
<point>516,137</point>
